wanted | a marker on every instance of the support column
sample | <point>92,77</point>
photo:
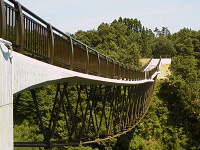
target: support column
<point>6,98</point>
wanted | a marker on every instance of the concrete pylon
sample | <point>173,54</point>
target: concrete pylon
<point>6,97</point>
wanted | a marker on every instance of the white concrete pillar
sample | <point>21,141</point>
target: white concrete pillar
<point>6,97</point>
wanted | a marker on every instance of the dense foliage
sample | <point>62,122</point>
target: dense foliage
<point>126,40</point>
<point>173,119</point>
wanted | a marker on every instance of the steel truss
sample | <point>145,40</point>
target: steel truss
<point>98,113</point>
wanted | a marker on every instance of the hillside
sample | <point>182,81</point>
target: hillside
<point>173,119</point>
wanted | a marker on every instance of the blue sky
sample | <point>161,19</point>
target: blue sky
<point>73,15</point>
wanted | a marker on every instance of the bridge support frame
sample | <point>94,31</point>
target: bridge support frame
<point>120,109</point>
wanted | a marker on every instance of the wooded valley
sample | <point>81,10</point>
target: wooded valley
<point>173,119</point>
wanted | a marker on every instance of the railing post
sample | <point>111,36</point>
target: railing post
<point>139,74</point>
<point>19,25</point>
<point>71,53</point>
<point>107,69</point>
<point>130,75</point>
<point>147,72</point>
<point>127,68</point>
<point>123,72</point>
<point>136,77</point>
<point>87,61</point>
<point>133,74</point>
<point>50,44</point>
<point>2,20</point>
<point>142,75</point>
<point>98,64</point>
<point>118,70</point>
<point>113,68</point>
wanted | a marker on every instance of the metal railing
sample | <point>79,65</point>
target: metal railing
<point>145,65</point>
<point>33,36</point>
<point>156,69</point>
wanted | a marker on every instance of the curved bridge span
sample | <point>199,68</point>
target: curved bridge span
<point>97,97</point>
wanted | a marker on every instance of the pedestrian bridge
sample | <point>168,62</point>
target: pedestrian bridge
<point>111,98</point>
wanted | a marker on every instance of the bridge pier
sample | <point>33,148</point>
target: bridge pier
<point>6,99</point>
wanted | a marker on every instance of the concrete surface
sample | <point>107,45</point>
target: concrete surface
<point>30,73</point>
<point>6,99</point>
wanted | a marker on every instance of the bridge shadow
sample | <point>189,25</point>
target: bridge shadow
<point>5,54</point>
<point>119,143</point>
<point>124,140</point>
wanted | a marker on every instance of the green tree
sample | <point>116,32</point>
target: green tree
<point>145,44</point>
<point>163,47</point>
<point>187,42</point>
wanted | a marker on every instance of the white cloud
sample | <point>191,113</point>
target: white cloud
<point>160,11</point>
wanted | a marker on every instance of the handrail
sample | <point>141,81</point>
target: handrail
<point>41,41</point>
<point>3,21</point>
<point>145,65</point>
<point>155,69</point>
<point>54,28</point>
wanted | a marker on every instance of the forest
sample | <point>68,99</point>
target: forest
<point>173,118</point>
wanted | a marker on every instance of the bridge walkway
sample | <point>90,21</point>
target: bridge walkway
<point>34,53</point>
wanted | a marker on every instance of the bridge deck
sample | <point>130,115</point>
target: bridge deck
<point>37,73</point>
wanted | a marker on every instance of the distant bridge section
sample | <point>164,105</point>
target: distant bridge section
<point>164,67</point>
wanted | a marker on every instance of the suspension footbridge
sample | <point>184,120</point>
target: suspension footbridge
<point>111,98</point>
